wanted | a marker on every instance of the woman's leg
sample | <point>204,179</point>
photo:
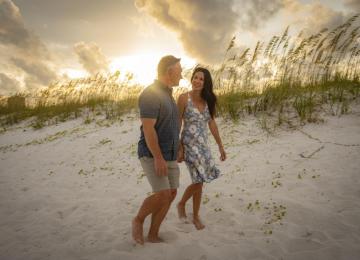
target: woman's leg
<point>189,192</point>
<point>196,206</point>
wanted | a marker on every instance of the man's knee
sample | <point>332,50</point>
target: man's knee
<point>165,197</point>
<point>173,193</point>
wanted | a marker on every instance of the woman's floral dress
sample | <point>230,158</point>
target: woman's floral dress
<point>194,137</point>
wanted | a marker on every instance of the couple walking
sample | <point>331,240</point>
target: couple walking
<point>160,148</point>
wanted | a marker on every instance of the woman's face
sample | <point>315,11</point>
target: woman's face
<point>198,81</point>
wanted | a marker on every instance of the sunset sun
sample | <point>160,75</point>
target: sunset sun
<point>143,66</point>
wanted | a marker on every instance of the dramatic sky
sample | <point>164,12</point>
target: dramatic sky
<point>45,40</point>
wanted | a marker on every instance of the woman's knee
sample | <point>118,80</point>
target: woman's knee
<point>198,186</point>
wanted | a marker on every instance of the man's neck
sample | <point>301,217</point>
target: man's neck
<point>165,82</point>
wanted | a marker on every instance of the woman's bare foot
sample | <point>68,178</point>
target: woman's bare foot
<point>181,211</point>
<point>198,224</point>
<point>137,231</point>
<point>155,239</point>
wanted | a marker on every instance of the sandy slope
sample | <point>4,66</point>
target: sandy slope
<point>70,191</point>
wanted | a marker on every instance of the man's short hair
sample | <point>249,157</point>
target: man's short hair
<point>166,62</point>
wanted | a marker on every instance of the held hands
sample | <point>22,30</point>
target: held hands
<point>160,166</point>
<point>222,153</point>
<point>180,155</point>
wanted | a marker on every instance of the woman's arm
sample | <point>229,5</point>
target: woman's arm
<point>215,132</point>
<point>181,104</point>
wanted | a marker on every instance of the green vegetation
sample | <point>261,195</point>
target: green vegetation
<point>287,80</point>
<point>59,102</point>
<point>288,75</point>
<point>285,101</point>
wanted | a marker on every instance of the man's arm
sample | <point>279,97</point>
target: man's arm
<point>152,142</point>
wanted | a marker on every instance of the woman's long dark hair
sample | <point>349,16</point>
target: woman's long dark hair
<point>207,92</point>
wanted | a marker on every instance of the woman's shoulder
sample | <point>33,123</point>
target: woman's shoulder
<point>185,94</point>
<point>183,97</point>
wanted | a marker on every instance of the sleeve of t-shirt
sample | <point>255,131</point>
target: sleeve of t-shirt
<point>149,105</point>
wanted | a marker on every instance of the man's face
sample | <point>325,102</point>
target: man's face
<point>175,74</point>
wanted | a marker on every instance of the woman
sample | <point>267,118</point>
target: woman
<point>197,109</point>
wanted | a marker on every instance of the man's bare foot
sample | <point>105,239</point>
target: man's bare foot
<point>137,231</point>
<point>181,211</point>
<point>198,224</point>
<point>154,239</point>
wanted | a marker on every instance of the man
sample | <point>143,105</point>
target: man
<point>157,148</point>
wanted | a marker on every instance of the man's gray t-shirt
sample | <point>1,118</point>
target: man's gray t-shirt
<point>156,102</point>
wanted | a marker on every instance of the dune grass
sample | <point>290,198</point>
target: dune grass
<point>286,78</point>
<point>285,101</point>
<point>292,76</point>
<point>43,115</point>
<point>87,97</point>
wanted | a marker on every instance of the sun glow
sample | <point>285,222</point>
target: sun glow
<point>143,66</point>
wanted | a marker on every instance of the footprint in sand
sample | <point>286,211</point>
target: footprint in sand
<point>126,246</point>
<point>66,212</point>
<point>184,227</point>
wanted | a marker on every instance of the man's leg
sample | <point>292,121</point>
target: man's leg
<point>158,216</point>
<point>153,204</point>
<point>173,194</point>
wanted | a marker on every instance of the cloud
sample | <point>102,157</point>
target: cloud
<point>91,57</point>
<point>205,28</point>
<point>314,16</point>
<point>255,13</point>
<point>13,31</point>
<point>143,26</point>
<point>29,55</point>
<point>41,71</point>
<point>321,16</point>
<point>354,5</point>
<point>9,85</point>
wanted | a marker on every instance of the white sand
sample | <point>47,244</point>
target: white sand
<point>72,195</point>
